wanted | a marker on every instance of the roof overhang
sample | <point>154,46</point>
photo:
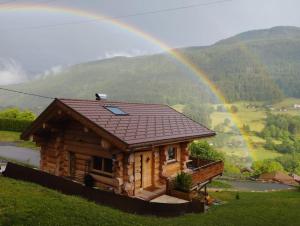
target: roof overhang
<point>155,143</point>
<point>58,105</point>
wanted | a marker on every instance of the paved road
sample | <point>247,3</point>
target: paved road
<point>257,186</point>
<point>19,154</point>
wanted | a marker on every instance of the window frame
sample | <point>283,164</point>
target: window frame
<point>174,148</point>
<point>102,171</point>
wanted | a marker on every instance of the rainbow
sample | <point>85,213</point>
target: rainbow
<point>150,38</point>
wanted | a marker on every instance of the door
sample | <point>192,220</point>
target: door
<point>147,169</point>
<point>143,169</point>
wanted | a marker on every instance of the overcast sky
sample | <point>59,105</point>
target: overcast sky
<point>28,45</point>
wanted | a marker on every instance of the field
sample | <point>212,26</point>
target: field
<point>23,203</point>
<point>255,119</point>
<point>14,137</point>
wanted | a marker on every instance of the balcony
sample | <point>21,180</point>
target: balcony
<point>203,171</point>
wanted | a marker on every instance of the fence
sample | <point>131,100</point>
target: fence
<point>124,203</point>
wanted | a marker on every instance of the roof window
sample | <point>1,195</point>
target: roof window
<point>115,110</point>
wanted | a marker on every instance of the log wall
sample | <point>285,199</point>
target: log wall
<point>83,144</point>
<point>75,145</point>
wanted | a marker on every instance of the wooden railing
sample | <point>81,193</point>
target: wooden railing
<point>202,171</point>
<point>206,172</point>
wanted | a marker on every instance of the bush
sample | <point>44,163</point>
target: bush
<point>231,170</point>
<point>266,166</point>
<point>18,125</point>
<point>290,162</point>
<point>15,113</point>
<point>183,182</point>
<point>203,150</point>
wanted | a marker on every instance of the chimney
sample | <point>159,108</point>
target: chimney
<point>101,96</point>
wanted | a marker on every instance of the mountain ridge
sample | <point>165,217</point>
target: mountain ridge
<point>262,65</point>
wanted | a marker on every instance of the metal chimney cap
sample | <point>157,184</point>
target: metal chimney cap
<point>101,96</point>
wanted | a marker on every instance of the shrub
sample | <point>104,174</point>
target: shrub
<point>15,113</point>
<point>231,170</point>
<point>203,150</point>
<point>183,182</point>
<point>17,125</point>
<point>266,166</point>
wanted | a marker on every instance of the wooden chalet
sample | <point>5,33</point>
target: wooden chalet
<point>125,147</point>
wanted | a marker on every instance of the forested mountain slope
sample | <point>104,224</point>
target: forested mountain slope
<point>255,65</point>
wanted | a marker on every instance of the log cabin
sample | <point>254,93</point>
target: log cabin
<point>127,148</point>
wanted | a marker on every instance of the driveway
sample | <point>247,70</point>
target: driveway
<point>24,155</point>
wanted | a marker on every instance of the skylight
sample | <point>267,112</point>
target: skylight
<point>115,110</point>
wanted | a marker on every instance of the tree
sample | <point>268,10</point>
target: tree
<point>290,162</point>
<point>199,113</point>
<point>246,128</point>
<point>269,144</point>
<point>234,109</point>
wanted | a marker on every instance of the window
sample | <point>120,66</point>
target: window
<point>171,154</point>
<point>103,165</point>
<point>115,110</point>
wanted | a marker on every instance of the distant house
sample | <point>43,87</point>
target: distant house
<point>123,147</point>
<point>278,176</point>
<point>296,106</point>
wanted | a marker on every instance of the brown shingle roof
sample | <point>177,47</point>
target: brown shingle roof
<point>145,123</point>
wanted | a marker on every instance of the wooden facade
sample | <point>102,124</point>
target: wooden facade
<point>72,152</point>
<point>75,147</point>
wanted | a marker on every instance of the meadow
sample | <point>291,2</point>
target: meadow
<point>23,203</point>
<point>254,117</point>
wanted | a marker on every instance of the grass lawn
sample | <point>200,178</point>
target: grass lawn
<point>24,203</point>
<point>219,184</point>
<point>14,137</point>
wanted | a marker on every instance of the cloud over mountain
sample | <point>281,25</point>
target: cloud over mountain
<point>11,72</point>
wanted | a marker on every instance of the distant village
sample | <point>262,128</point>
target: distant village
<point>270,107</point>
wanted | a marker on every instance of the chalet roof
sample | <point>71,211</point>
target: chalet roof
<point>142,124</point>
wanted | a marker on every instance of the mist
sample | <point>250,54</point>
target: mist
<point>11,72</point>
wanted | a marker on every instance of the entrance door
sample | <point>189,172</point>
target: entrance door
<point>147,169</point>
<point>143,169</point>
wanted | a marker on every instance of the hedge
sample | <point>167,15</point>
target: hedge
<point>18,125</point>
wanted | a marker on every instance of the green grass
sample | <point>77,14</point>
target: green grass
<point>25,204</point>
<point>14,137</point>
<point>219,184</point>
